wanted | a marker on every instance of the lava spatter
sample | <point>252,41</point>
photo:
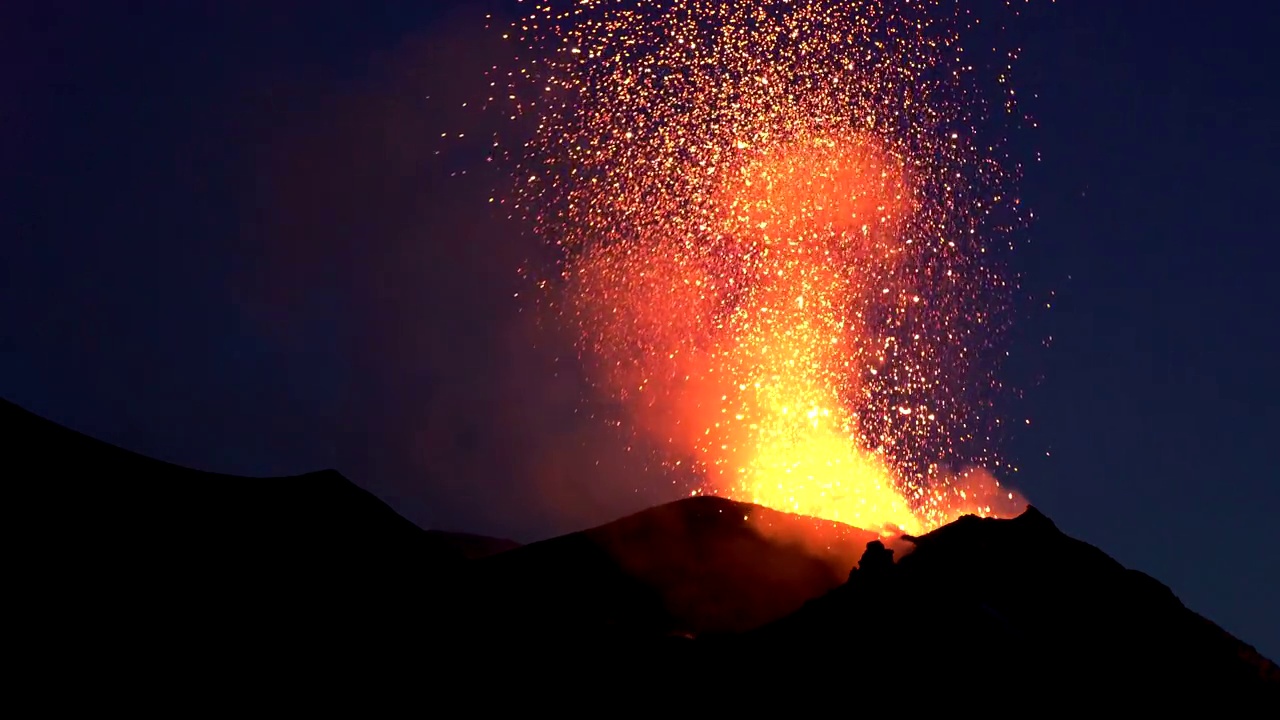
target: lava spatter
<point>774,221</point>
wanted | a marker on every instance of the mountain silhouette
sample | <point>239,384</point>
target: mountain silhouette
<point>138,552</point>
<point>1019,601</point>
<point>694,566</point>
<point>118,550</point>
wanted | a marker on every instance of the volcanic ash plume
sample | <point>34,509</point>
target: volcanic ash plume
<point>771,230</point>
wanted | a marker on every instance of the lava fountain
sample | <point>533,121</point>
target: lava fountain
<point>772,242</point>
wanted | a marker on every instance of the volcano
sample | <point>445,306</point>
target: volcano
<point>182,566</point>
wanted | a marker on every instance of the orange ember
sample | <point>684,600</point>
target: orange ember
<point>748,362</point>
<point>813,222</point>
<point>768,254</point>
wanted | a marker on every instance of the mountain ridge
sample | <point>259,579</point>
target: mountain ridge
<point>188,564</point>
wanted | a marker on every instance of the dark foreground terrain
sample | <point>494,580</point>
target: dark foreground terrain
<point>129,565</point>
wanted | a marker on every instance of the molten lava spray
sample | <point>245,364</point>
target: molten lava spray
<point>774,220</point>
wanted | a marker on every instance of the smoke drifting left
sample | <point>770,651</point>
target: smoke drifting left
<point>368,247</point>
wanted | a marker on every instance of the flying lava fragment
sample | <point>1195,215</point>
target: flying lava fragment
<point>776,224</point>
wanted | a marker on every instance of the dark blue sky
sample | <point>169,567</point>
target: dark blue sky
<point>229,243</point>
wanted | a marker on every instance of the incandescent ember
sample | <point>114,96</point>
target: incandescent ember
<point>776,225</point>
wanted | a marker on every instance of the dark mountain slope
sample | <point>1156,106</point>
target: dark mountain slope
<point>133,547</point>
<point>697,565</point>
<point>123,565</point>
<point>1018,603</point>
<point>469,546</point>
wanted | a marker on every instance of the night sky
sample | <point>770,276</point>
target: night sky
<point>233,240</point>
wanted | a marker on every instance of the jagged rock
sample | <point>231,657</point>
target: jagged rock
<point>1019,601</point>
<point>875,564</point>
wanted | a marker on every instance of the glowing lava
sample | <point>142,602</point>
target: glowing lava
<point>815,227</point>
<point>772,242</point>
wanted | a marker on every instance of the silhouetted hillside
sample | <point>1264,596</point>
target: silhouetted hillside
<point>149,551</point>
<point>697,565</point>
<point>129,564</point>
<point>1018,602</point>
<point>469,546</point>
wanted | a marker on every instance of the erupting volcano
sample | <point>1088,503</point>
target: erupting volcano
<point>777,223</point>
